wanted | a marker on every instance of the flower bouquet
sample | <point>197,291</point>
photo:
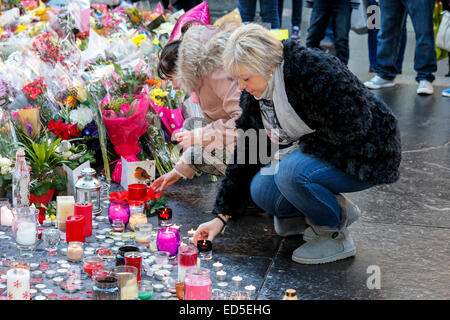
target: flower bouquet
<point>5,175</point>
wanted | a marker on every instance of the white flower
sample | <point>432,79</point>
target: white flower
<point>5,170</point>
<point>82,115</point>
<point>5,162</point>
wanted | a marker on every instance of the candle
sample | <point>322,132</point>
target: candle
<point>137,219</point>
<point>64,209</point>
<point>221,275</point>
<point>158,287</point>
<point>137,191</point>
<point>75,251</point>
<point>250,289</point>
<point>164,216</point>
<point>187,258</point>
<point>85,210</point>
<point>191,232</point>
<point>26,233</point>
<point>120,259</point>
<point>197,284</point>
<point>118,225</point>
<point>18,284</point>
<point>134,259</point>
<point>168,239</point>
<point>217,266</point>
<point>205,249</point>
<point>6,216</point>
<point>143,233</point>
<point>161,274</point>
<point>237,280</point>
<point>119,209</point>
<point>92,263</point>
<point>75,229</point>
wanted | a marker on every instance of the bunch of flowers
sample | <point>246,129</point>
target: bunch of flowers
<point>7,94</point>
<point>5,174</point>
<point>63,130</point>
<point>134,16</point>
<point>35,88</point>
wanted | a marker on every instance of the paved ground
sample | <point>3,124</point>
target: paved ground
<point>404,229</point>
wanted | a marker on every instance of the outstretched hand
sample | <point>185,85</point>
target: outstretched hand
<point>165,181</point>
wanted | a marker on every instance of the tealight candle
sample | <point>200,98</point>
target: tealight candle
<point>191,232</point>
<point>221,275</point>
<point>236,280</point>
<point>58,280</point>
<point>222,284</point>
<point>158,287</point>
<point>217,266</point>
<point>50,273</point>
<point>161,274</point>
<point>250,289</point>
<point>40,298</point>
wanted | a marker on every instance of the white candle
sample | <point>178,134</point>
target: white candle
<point>250,289</point>
<point>191,232</point>
<point>64,208</point>
<point>217,266</point>
<point>6,216</point>
<point>221,275</point>
<point>18,284</point>
<point>237,280</point>
<point>26,233</point>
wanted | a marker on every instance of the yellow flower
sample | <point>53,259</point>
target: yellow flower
<point>157,95</point>
<point>21,28</point>
<point>138,39</point>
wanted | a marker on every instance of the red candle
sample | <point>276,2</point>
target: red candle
<point>134,259</point>
<point>75,229</point>
<point>89,267</point>
<point>137,191</point>
<point>85,210</point>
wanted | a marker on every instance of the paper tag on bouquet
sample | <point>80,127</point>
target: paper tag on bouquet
<point>142,172</point>
<point>281,34</point>
<point>73,175</point>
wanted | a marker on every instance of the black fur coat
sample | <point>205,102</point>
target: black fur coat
<point>354,130</point>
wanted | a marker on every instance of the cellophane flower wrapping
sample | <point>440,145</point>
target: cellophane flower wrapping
<point>199,12</point>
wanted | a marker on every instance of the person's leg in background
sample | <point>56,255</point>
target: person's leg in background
<point>341,28</point>
<point>425,59</point>
<point>269,13</point>
<point>247,9</point>
<point>320,17</point>
<point>296,19</point>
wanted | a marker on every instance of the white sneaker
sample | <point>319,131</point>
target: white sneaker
<point>378,83</point>
<point>446,93</point>
<point>425,87</point>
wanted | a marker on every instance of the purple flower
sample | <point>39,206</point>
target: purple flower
<point>29,128</point>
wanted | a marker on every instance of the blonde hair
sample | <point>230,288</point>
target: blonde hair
<point>253,47</point>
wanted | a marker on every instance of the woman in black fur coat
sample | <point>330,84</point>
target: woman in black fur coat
<point>331,134</point>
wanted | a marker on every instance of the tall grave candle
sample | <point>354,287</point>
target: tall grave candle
<point>64,209</point>
<point>85,210</point>
<point>75,229</point>
<point>18,284</point>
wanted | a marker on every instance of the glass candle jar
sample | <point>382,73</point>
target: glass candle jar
<point>51,239</point>
<point>168,239</point>
<point>92,263</point>
<point>164,217</point>
<point>24,227</point>
<point>143,233</point>
<point>204,249</point>
<point>137,213</point>
<point>119,209</point>
<point>134,259</point>
<point>18,283</point>
<point>187,258</point>
<point>75,251</point>
<point>197,284</point>
<point>127,276</point>
<point>106,287</point>
<point>162,258</point>
<point>137,191</point>
<point>120,256</point>
<point>117,225</point>
<point>145,290</point>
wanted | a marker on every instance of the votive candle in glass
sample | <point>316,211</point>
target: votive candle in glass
<point>187,259</point>
<point>205,249</point>
<point>75,251</point>
<point>137,213</point>
<point>168,239</point>
<point>18,283</point>
<point>134,259</point>
<point>119,209</point>
<point>120,256</point>
<point>143,233</point>
<point>137,191</point>
<point>164,217</point>
<point>92,263</point>
<point>197,284</point>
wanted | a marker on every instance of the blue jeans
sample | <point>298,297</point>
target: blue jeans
<point>373,44</point>
<point>339,12</point>
<point>297,7</point>
<point>393,16</point>
<point>269,11</point>
<point>306,186</point>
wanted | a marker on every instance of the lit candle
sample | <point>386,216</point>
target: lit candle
<point>217,266</point>
<point>119,209</point>
<point>75,229</point>
<point>164,216</point>
<point>6,216</point>
<point>137,213</point>
<point>65,207</point>
<point>250,289</point>
<point>85,210</point>
<point>168,239</point>
<point>237,280</point>
<point>221,275</point>
<point>18,284</point>
<point>191,232</point>
<point>205,249</point>
<point>187,258</point>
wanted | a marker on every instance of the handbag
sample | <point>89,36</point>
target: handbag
<point>359,18</point>
<point>443,35</point>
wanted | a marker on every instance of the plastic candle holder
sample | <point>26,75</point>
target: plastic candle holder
<point>164,217</point>
<point>119,209</point>
<point>168,239</point>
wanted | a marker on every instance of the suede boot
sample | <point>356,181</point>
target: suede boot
<point>289,226</point>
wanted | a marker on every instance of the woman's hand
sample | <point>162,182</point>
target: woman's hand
<point>165,181</point>
<point>208,230</point>
<point>185,139</point>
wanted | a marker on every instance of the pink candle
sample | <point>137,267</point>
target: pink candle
<point>168,239</point>
<point>197,284</point>
<point>187,258</point>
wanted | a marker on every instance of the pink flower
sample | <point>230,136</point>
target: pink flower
<point>110,114</point>
<point>106,99</point>
<point>125,108</point>
<point>15,114</point>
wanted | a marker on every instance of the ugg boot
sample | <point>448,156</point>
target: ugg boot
<point>349,214</point>
<point>289,226</point>
<point>329,245</point>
